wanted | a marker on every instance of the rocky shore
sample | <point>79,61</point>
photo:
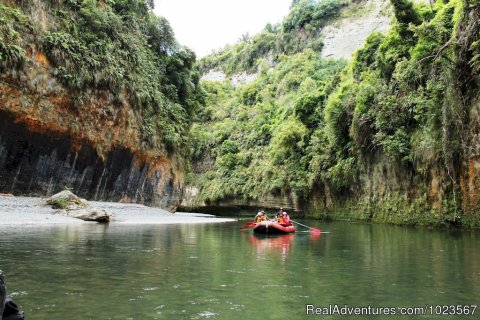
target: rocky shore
<point>33,211</point>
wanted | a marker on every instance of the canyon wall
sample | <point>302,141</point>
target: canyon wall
<point>89,139</point>
<point>48,143</point>
<point>396,141</point>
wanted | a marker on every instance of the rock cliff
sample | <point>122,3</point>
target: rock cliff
<point>47,144</point>
<point>391,138</point>
<point>341,37</point>
<point>90,138</point>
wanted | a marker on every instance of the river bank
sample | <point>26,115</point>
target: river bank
<point>31,211</point>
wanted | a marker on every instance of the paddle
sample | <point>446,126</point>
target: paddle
<point>315,230</point>
<point>249,224</point>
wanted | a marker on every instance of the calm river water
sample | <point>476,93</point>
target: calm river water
<point>216,271</point>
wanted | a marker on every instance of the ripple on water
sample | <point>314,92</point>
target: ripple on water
<point>159,308</point>
<point>270,286</point>
<point>236,306</point>
<point>207,314</point>
<point>79,294</point>
<point>234,271</point>
<point>151,289</point>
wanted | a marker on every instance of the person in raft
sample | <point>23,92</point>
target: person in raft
<point>282,217</point>
<point>261,216</point>
<point>286,219</point>
<point>279,215</point>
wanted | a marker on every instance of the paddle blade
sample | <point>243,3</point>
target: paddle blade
<point>249,224</point>
<point>315,231</point>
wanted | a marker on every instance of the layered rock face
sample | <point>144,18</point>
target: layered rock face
<point>47,144</point>
<point>190,202</point>
<point>470,170</point>
<point>50,141</point>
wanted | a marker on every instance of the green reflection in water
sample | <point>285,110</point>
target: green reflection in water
<point>215,271</point>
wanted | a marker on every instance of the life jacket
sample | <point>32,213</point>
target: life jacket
<point>279,217</point>
<point>284,220</point>
<point>261,218</point>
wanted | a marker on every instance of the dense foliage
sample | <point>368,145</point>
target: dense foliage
<point>303,122</point>
<point>115,45</point>
<point>258,133</point>
<point>299,31</point>
<point>392,93</point>
<point>12,23</point>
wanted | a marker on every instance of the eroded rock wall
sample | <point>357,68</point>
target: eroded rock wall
<point>190,202</point>
<point>51,140</point>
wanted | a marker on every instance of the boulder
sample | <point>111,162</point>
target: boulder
<point>66,199</point>
<point>70,205</point>
<point>9,195</point>
<point>87,214</point>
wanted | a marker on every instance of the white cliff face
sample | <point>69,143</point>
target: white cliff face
<point>237,79</point>
<point>342,38</point>
<point>214,75</point>
<point>242,78</point>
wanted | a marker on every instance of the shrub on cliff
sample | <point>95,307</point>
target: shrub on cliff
<point>309,14</point>
<point>12,23</point>
<point>304,123</point>
<point>119,46</point>
<point>299,31</point>
<point>256,136</point>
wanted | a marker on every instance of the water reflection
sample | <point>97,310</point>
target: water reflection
<point>216,271</point>
<point>315,235</point>
<point>267,243</point>
<point>278,244</point>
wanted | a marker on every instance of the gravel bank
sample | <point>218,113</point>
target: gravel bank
<point>31,211</point>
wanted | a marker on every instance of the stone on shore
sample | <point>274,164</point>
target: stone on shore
<point>6,195</point>
<point>66,200</point>
<point>87,214</point>
<point>70,205</point>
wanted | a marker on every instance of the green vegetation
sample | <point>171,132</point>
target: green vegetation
<point>299,31</point>
<point>255,132</point>
<point>115,45</point>
<point>12,23</point>
<point>60,203</point>
<point>397,109</point>
<point>308,122</point>
<point>65,199</point>
<point>475,41</point>
<point>258,133</point>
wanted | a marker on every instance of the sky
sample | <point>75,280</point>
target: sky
<point>207,25</point>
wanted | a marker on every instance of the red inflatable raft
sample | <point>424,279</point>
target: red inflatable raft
<point>272,227</point>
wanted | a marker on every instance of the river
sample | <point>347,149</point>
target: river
<point>216,271</point>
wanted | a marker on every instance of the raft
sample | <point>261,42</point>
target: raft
<point>272,227</point>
